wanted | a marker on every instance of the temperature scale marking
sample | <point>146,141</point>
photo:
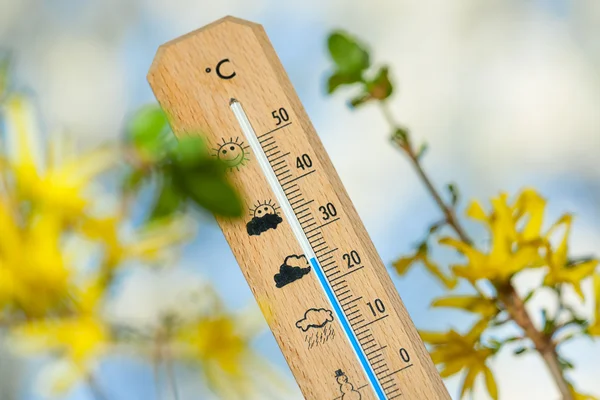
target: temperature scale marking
<point>309,246</point>
<point>337,318</point>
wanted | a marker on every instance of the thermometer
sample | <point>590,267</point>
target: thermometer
<point>308,260</point>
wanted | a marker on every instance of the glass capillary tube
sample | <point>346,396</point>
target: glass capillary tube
<point>288,211</point>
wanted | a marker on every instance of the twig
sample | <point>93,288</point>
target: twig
<point>171,376</point>
<point>95,389</point>
<point>156,361</point>
<point>448,211</point>
<point>507,294</point>
<point>543,343</point>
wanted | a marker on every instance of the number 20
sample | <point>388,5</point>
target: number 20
<point>352,258</point>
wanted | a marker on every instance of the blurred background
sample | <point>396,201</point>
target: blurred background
<point>506,93</point>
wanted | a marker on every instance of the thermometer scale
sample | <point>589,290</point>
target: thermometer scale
<point>310,264</point>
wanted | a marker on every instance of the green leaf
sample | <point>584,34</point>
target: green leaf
<point>435,227</point>
<point>347,53</point>
<point>381,87</point>
<point>422,150</point>
<point>512,339</point>
<point>149,132</point>
<point>520,350</point>
<point>342,78</point>
<point>528,296</point>
<point>205,183</point>
<point>548,323</point>
<point>500,320</point>
<point>169,199</point>
<point>565,364</point>
<point>4,74</point>
<point>360,100</point>
<point>189,151</point>
<point>133,180</point>
<point>401,134</point>
<point>454,194</point>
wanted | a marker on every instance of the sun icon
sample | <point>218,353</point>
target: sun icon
<point>233,153</point>
<point>262,209</point>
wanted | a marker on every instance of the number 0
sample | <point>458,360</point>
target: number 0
<point>404,355</point>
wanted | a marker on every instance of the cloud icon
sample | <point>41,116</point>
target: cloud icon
<point>315,318</point>
<point>293,268</point>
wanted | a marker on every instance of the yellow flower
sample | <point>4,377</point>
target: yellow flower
<point>80,339</point>
<point>151,244</point>
<point>216,343</point>
<point>483,306</point>
<point>581,396</point>
<point>105,231</point>
<point>403,264</point>
<point>512,249</point>
<point>454,353</point>
<point>33,275</point>
<point>529,208</point>
<point>559,268</point>
<point>594,329</point>
<point>229,366</point>
<point>54,181</point>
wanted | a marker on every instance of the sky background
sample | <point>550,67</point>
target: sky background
<point>505,92</point>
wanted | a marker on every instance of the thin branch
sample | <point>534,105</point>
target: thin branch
<point>447,210</point>
<point>507,294</point>
<point>95,389</point>
<point>156,361</point>
<point>171,377</point>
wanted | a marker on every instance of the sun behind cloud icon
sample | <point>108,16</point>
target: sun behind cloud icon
<point>264,217</point>
<point>234,153</point>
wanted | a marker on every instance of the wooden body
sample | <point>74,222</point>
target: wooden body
<point>194,78</point>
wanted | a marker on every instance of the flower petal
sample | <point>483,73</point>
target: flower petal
<point>490,383</point>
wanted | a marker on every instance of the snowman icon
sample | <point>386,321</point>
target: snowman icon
<point>347,389</point>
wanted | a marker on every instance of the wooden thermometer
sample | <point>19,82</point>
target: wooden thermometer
<point>306,255</point>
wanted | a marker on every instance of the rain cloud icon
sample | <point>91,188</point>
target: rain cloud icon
<point>315,318</point>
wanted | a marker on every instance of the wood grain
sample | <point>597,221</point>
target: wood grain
<point>185,80</point>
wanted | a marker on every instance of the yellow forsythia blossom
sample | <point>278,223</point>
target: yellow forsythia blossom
<point>514,230</point>
<point>483,306</point>
<point>403,264</point>
<point>45,202</point>
<point>581,396</point>
<point>151,244</point>
<point>454,352</point>
<point>215,341</point>
<point>42,193</point>
<point>33,275</point>
<point>228,364</point>
<point>559,270</point>
<point>54,181</point>
<point>594,329</point>
<point>79,339</point>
